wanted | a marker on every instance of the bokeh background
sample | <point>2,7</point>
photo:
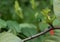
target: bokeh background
<point>25,18</point>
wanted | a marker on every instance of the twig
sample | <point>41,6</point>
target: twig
<point>39,34</point>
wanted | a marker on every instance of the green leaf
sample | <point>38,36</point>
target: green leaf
<point>14,26</point>
<point>9,37</point>
<point>56,22</point>
<point>33,4</point>
<point>30,30</point>
<point>18,9</point>
<point>2,23</point>
<point>56,6</point>
<point>26,25</point>
<point>43,25</point>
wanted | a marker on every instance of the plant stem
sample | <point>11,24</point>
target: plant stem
<point>40,34</point>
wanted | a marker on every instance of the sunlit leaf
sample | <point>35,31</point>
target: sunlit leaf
<point>9,37</point>
<point>45,11</point>
<point>18,9</point>
<point>56,6</point>
<point>33,3</point>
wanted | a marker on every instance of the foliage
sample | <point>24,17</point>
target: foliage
<point>8,37</point>
<point>56,8</point>
<point>24,18</point>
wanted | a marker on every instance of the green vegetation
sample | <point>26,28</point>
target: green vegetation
<point>20,19</point>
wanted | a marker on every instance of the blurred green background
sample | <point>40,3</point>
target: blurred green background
<point>25,18</point>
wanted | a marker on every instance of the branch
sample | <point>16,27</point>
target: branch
<point>41,33</point>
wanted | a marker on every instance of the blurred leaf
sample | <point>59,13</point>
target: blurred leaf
<point>45,11</point>
<point>56,22</point>
<point>18,10</point>
<point>33,3</point>
<point>14,26</point>
<point>26,25</point>
<point>36,15</point>
<point>2,23</point>
<point>56,6</point>
<point>43,25</point>
<point>51,2</point>
<point>53,18</point>
<point>9,37</point>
